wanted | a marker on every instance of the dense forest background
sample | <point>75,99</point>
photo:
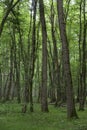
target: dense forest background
<point>43,53</point>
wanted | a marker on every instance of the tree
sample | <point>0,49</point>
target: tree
<point>71,112</point>
<point>44,104</point>
<point>82,89</point>
<point>56,64</point>
<point>33,53</point>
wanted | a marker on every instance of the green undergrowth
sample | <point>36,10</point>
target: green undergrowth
<point>11,118</point>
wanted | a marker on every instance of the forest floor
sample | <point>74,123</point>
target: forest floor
<point>11,118</point>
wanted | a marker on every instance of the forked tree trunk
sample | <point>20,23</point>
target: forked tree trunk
<point>71,111</point>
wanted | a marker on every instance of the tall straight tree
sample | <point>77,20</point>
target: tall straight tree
<point>33,53</point>
<point>80,51</point>
<point>44,104</point>
<point>56,65</point>
<point>71,111</point>
<point>82,94</point>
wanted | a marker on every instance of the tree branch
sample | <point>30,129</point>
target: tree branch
<point>11,6</point>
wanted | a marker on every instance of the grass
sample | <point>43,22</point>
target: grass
<point>11,118</point>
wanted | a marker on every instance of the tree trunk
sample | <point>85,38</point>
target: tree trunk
<point>71,112</point>
<point>33,53</point>
<point>44,104</point>
<point>82,95</point>
<point>56,64</point>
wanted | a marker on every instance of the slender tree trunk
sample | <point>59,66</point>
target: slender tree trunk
<point>56,65</point>
<point>83,75</point>
<point>17,69</point>
<point>80,53</point>
<point>71,112</point>
<point>33,53</point>
<point>38,66</point>
<point>44,104</point>
<point>26,70</point>
<point>51,91</point>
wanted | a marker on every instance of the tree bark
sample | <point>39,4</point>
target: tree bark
<point>56,64</point>
<point>44,104</point>
<point>71,111</point>
<point>82,95</point>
